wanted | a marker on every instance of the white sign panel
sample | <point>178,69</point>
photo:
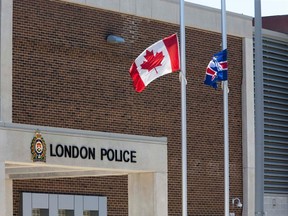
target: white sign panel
<point>104,151</point>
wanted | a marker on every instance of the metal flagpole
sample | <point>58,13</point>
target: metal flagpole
<point>225,104</point>
<point>183,109</point>
<point>259,113</point>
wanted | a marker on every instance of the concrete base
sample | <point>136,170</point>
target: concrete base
<point>276,204</point>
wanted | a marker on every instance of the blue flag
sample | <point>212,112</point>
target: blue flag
<point>217,69</point>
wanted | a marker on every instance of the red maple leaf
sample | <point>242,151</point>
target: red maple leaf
<point>152,61</point>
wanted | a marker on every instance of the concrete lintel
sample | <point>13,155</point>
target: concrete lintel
<point>83,133</point>
<point>15,151</point>
<point>71,174</point>
<point>196,16</point>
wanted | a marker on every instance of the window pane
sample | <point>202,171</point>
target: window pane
<point>90,213</point>
<point>64,212</point>
<point>40,212</point>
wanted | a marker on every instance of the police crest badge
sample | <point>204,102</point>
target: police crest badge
<point>38,148</point>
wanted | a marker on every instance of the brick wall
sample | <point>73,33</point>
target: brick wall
<point>66,75</point>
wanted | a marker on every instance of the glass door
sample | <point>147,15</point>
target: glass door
<point>38,204</point>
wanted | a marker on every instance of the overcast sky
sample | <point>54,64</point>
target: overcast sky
<point>246,7</point>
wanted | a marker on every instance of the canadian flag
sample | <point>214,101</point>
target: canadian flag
<point>157,60</point>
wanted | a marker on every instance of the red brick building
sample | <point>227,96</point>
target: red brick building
<point>276,23</point>
<point>75,88</point>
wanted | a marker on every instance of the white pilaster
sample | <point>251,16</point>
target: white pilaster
<point>248,129</point>
<point>148,194</point>
<point>6,193</point>
<point>6,8</point>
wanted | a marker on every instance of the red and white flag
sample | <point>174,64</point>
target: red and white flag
<point>157,60</point>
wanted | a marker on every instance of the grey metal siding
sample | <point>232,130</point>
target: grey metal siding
<point>275,81</point>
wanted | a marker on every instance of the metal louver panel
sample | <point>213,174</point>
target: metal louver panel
<point>275,75</point>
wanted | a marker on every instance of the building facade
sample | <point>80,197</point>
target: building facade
<point>76,139</point>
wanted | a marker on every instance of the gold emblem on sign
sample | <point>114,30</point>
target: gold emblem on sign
<point>38,148</point>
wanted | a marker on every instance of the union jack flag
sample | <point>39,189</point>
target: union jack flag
<point>217,69</point>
